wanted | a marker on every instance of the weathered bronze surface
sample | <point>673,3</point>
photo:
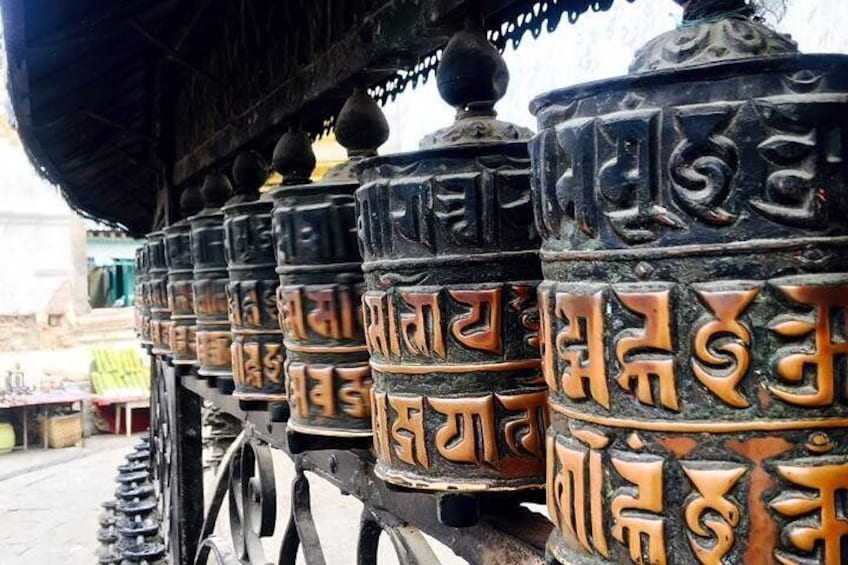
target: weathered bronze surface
<point>160,315</point>
<point>183,335</point>
<point>451,267</point>
<point>257,349</point>
<point>694,307</point>
<point>328,377</point>
<point>210,284</point>
<point>142,311</point>
<point>143,298</point>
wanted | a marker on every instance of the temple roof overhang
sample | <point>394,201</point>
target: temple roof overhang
<point>116,102</point>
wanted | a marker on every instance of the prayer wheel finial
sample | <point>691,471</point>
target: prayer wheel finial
<point>216,190</point>
<point>472,76</point>
<point>250,171</point>
<point>191,201</point>
<point>293,158</point>
<point>361,126</point>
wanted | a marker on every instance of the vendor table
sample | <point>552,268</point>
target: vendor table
<point>129,403</point>
<point>43,400</point>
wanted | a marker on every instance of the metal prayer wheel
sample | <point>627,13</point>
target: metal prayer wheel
<point>137,292</point>
<point>210,284</point>
<point>183,336</point>
<point>451,267</point>
<point>143,296</point>
<point>257,348</point>
<point>160,315</point>
<point>328,377</point>
<point>693,313</point>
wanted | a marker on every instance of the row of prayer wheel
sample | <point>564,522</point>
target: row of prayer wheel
<point>646,314</point>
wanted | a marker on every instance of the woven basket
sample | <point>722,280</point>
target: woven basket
<point>62,431</point>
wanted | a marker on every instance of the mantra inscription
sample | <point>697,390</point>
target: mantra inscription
<point>450,316</point>
<point>213,328</point>
<point>694,314</point>
<point>257,365</point>
<point>654,175</point>
<point>213,352</point>
<point>209,290</point>
<point>183,341</point>
<point>138,292</point>
<point>425,334</point>
<point>498,435</point>
<point>143,295</point>
<point>182,338</point>
<point>322,315</point>
<point>615,357</point>
<point>631,345</point>
<point>257,349</point>
<point>328,378</point>
<point>467,324</point>
<point>160,314</point>
<point>629,496</point>
<point>325,397</point>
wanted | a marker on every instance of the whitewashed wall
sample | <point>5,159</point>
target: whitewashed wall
<point>36,267</point>
<point>601,45</point>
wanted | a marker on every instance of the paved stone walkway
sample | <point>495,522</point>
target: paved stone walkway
<point>50,501</point>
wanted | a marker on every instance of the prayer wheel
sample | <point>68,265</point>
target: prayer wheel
<point>210,284</point>
<point>328,377</point>
<point>143,298</point>
<point>451,268</point>
<point>160,315</point>
<point>183,335</point>
<point>694,308</point>
<point>257,348</point>
<point>138,292</point>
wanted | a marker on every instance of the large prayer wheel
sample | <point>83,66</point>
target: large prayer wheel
<point>695,302</point>
<point>321,283</point>
<point>257,349</point>
<point>160,315</point>
<point>451,268</point>
<point>183,335</point>
<point>210,284</point>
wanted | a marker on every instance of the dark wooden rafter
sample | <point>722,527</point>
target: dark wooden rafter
<point>173,54</point>
<point>123,128</point>
<point>92,28</point>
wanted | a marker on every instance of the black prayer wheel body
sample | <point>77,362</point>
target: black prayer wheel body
<point>328,378</point>
<point>160,315</point>
<point>451,268</point>
<point>139,290</point>
<point>143,299</point>
<point>210,296</point>
<point>257,348</point>
<point>183,335</point>
<point>693,313</point>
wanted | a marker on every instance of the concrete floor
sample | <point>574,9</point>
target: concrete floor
<point>50,503</point>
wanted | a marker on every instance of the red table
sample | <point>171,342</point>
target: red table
<point>129,403</point>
